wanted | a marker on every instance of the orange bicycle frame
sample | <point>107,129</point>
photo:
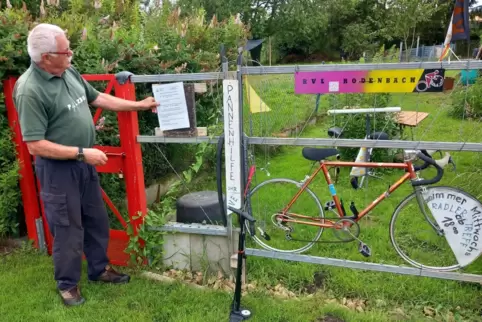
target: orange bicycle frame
<point>410,174</point>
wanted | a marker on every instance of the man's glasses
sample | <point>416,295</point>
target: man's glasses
<point>68,52</point>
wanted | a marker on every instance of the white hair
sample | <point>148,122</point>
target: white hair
<point>42,39</point>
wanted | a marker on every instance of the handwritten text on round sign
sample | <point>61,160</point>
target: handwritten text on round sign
<point>460,217</point>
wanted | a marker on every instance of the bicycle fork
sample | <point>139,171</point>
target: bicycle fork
<point>419,194</point>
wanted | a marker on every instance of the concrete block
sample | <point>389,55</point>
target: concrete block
<point>177,249</point>
<point>234,266</point>
<point>199,252</point>
<point>210,253</point>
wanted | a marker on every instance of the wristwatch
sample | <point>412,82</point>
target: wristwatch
<point>80,154</point>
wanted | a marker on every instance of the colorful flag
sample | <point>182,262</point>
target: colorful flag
<point>459,26</point>
<point>460,20</point>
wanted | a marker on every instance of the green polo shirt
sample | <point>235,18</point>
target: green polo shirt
<point>55,108</point>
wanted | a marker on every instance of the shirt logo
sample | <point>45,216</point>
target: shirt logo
<point>75,105</point>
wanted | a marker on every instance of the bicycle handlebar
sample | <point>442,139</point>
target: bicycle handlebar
<point>425,165</point>
<point>245,216</point>
<point>428,160</point>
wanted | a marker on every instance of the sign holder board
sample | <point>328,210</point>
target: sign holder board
<point>177,111</point>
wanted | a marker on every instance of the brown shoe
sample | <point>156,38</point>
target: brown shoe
<point>111,276</point>
<point>72,297</point>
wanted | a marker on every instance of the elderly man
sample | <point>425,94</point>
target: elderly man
<point>52,101</point>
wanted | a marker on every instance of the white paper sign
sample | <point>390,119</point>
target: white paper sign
<point>334,86</point>
<point>460,217</point>
<point>172,110</point>
<point>232,143</point>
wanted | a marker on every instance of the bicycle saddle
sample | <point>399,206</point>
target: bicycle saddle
<point>335,132</point>
<point>318,154</point>
<point>378,136</point>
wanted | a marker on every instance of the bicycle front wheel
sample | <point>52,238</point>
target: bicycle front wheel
<point>268,199</point>
<point>437,228</point>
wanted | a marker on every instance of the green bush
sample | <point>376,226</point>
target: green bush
<point>467,101</point>
<point>9,192</point>
<point>116,37</point>
<point>354,125</point>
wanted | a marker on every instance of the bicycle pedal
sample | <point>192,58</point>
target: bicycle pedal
<point>329,205</point>
<point>354,183</point>
<point>264,234</point>
<point>342,207</point>
<point>364,249</point>
<point>353,209</point>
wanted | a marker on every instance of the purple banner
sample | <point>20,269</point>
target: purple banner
<point>370,81</point>
<point>329,82</point>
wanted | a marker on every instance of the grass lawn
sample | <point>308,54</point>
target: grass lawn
<point>322,292</point>
<point>28,294</point>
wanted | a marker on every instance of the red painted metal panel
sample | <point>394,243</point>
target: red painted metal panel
<point>115,159</point>
<point>113,208</point>
<point>126,160</point>
<point>133,169</point>
<point>26,180</point>
<point>98,112</point>
<point>116,250</point>
<point>49,240</point>
<point>99,77</point>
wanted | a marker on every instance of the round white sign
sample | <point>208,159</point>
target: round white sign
<point>460,217</point>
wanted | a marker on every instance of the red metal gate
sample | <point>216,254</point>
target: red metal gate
<point>125,160</point>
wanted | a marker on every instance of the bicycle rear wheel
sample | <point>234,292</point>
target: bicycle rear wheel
<point>268,200</point>
<point>444,234</point>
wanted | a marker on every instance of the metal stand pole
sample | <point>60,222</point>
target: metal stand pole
<point>238,313</point>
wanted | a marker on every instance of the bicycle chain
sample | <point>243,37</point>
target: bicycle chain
<point>335,219</point>
<point>323,241</point>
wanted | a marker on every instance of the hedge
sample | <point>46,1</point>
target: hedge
<point>109,37</point>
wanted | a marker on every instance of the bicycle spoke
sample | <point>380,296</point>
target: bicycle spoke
<point>267,202</point>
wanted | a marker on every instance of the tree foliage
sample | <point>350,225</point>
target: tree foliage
<point>304,27</point>
<point>408,18</point>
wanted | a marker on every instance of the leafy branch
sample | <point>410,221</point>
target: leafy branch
<point>159,216</point>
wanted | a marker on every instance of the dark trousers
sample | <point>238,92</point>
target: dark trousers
<point>76,216</point>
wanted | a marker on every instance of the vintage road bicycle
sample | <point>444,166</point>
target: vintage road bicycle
<point>447,218</point>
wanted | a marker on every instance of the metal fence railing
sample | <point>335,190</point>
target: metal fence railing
<point>273,115</point>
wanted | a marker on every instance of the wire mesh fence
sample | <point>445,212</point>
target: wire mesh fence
<point>271,107</point>
<point>180,165</point>
<point>281,123</point>
<point>272,110</point>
